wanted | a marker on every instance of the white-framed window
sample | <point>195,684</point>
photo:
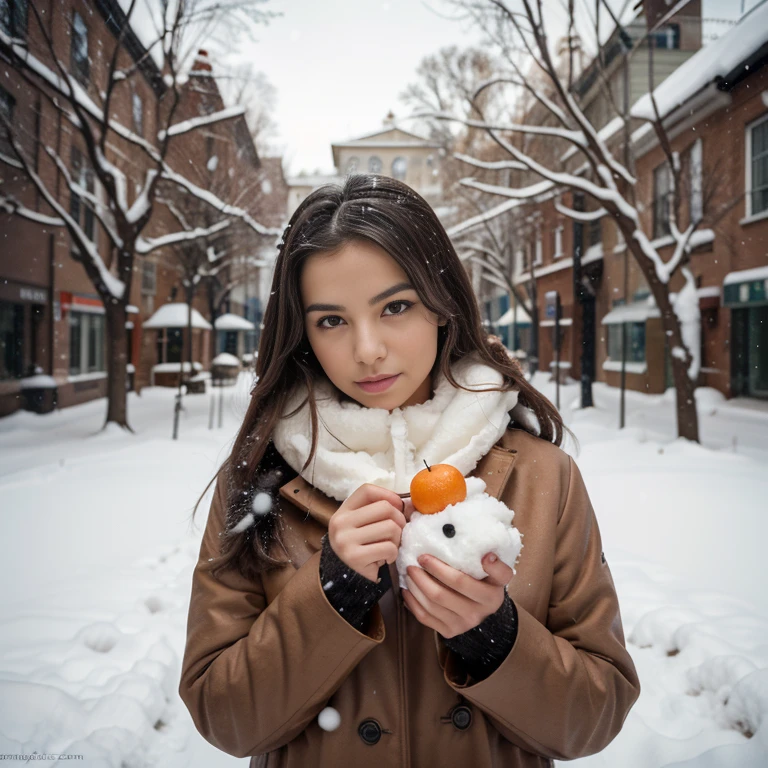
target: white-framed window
<point>399,168</point>
<point>80,207</point>
<point>79,62</point>
<point>374,164</point>
<point>148,278</point>
<point>137,110</point>
<point>694,161</point>
<point>538,248</point>
<point>86,343</point>
<point>662,199</point>
<point>352,164</point>
<point>635,342</point>
<point>756,187</point>
<point>558,241</point>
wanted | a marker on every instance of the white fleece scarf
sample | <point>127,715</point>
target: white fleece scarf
<point>387,449</point>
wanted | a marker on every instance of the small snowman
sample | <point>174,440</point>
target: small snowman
<point>457,522</point>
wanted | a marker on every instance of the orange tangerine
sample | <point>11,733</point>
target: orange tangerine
<point>434,488</point>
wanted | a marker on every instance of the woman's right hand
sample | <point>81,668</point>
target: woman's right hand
<point>365,530</point>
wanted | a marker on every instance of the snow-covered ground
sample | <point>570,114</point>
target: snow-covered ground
<point>97,551</point>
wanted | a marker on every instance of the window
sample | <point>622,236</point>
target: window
<point>399,167</point>
<point>7,103</point>
<point>668,37</point>
<point>662,197</point>
<point>137,108</point>
<point>80,207</point>
<point>558,241</point>
<point>352,164</point>
<point>692,166</point>
<point>11,340</point>
<point>374,164</point>
<point>635,342</point>
<point>170,345</point>
<point>13,18</point>
<point>148,277</point>
<point>538,258</point>
<point>757,167</point>
<point>86,343</point>
<point>79,63</point>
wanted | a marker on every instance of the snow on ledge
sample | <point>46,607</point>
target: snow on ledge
<point>615,365</point>
<point>40,381</point>
<point>174,367</point>
<point>746,275</point>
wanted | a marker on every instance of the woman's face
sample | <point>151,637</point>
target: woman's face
<point>361,328</point>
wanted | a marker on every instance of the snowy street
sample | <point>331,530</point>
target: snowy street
<point>98,550</point>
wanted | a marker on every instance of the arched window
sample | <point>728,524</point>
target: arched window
<point>352,164</point>
<point>399,167</point>
<point>374,164</point>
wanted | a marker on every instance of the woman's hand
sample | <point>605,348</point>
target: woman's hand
<point>365,530</point>
<point>450,601</point>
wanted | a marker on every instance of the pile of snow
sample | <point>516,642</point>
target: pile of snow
<point>225,359</point>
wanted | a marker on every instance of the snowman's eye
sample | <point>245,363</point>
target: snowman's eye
<point>449,530</point>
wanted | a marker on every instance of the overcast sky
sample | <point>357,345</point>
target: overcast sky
<point>340,66</point>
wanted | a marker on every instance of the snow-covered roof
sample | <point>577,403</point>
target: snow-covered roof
<point>409,139</point>
<point>174,315</point>
<point>636,312</point>
<point>716,60</point>
<point>230,322</point>
<point>520,317</point>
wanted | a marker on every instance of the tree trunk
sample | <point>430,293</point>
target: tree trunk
<point>117,364</point>
<point>687,416</point>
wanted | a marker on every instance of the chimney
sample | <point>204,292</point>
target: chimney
<point>202,63</point>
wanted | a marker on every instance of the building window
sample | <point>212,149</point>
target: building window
<point>635,342</point>
<point>668,37</point>
<point>79,63</point>
<point>692,163</point>
<point>80,207</point>
<point>13,18</point>
<point>374,164</point>
<point>7,103</point>
<point>148,278</point>
<point>353,164</point>
<point>757,167</point>
<point>11,339</point>
<point>137,108</point>
<point>538,257</point>
<point>170,345</point>
<point>558,241</point>
<point>399,167</point>
<point>662,197</point>
<point>86,343</point>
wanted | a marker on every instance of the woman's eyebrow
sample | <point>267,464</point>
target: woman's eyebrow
<point>375,300</point>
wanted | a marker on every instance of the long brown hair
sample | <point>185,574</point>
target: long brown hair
<point>390,214</point>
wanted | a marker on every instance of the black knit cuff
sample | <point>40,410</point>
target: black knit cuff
<point>348,591</point>
<point>484,647</point>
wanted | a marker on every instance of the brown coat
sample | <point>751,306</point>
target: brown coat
<point>263,659</point>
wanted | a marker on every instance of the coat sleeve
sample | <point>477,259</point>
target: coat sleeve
<point>565,689</point>
<point>254,675</point>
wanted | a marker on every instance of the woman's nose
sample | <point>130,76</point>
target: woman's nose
<point>369,346</point>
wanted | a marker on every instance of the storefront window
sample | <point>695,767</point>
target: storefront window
<point>11,340</point>
<point>635,342</point>
<point>87,339</point>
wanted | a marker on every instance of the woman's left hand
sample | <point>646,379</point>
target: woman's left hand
<point>450,601</point>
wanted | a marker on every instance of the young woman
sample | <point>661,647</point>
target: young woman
<point>301,648</point>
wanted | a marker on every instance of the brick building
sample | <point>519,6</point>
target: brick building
<point>52,321</point>
<point>717,120</point>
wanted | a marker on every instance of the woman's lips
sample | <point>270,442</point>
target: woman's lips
<point>378,386</point>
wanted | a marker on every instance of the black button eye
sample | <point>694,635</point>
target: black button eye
<point>449,530</point>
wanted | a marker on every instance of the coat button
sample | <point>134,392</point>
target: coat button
<point>369,731</point>
<point>461,717</point>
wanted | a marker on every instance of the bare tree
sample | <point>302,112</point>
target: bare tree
<point>90,118</point>
<point>552,140</point>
